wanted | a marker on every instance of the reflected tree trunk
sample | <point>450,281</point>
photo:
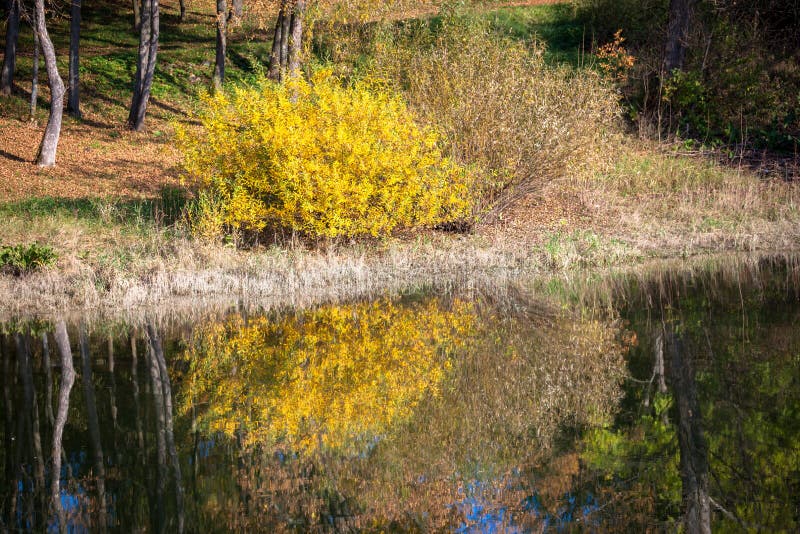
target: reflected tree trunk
<point>48,379</point>
<point>135,379</point>
<point>94,427</point>
<point>691,439</point>
<point>9,437</point>
<point>67,381</point>
<point>158,513</point>
<point>113,397</point>
<point>33,429</point>
<point>166,396</point>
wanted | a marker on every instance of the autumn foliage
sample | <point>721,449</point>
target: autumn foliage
<point>320,158</point>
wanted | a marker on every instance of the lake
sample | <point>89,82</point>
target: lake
<point>661,400</point>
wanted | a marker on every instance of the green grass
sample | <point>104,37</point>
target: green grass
<point>553,25</point>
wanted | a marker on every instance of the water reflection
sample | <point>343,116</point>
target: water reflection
<point>677,409</point>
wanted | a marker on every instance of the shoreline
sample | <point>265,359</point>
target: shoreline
<point>197,276</point>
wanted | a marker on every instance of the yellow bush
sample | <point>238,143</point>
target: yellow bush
<point>321,159</point>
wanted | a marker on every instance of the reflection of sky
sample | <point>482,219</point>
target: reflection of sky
<point>482,516</point>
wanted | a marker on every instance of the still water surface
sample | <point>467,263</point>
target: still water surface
<point>673,405</point>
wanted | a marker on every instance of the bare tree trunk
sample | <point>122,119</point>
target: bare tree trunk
<point>94,428</point>
<point>183,10</point>
<point>680,19</point>
<point>166,390</point>
<point>296,37</point>
<point>52,132</point>
<point>73,100</point>
<point>691,440</point>
<point>146,64</point>
<point>48,379</point>
<point>222,44</point>
<point>137,15</point>
<point>10,58</point>
<point>274,72</point>
<point>237,10</point>
<point>35,75</point>
<point>285,32</point>
<point>67,381</point>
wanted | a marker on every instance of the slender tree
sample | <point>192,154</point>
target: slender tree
<point>183,10</point>
<point>35,74</point>
<point>296,36</point>
<point>146,63</point>
<point>679,25</point>
<point>10,58</point>
<point>288,39</point>
<point>275,56</point>
<point>73,100</point>
<point>237,10</point>
<point>222,43</point>
<point>137,15</point>
<point>52,132</point>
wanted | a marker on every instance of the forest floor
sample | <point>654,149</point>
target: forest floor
<point>109,205</point>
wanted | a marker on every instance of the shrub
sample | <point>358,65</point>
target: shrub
<point>319,158</point>
<point>20,259</point>
<point>501,108</point>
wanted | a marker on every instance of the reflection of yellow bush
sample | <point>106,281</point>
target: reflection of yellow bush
<point>321,159</point>
<point>333,377</point>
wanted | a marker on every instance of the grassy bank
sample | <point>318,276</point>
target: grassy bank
<point>113,209</point>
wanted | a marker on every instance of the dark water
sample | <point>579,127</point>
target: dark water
<point>673,405</point>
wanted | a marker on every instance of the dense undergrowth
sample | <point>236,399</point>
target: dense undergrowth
<point>740,82</point>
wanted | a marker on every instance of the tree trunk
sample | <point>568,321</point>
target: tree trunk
<point>47,150</point>
<point>137,15</point>
<point>237,10</point>
<point>296,37</point>
<point>274,72</point>
<point>183,10</point>
<point>10,58</point>
<point>67,380</point>
<point>680,19</point>
<point>285,32</point>
<point>691,440</point>
<point>146,64</point>
<point>73,100</point>
<point>35,74</point>
<point>222,44</point>
<point>94,428</point>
